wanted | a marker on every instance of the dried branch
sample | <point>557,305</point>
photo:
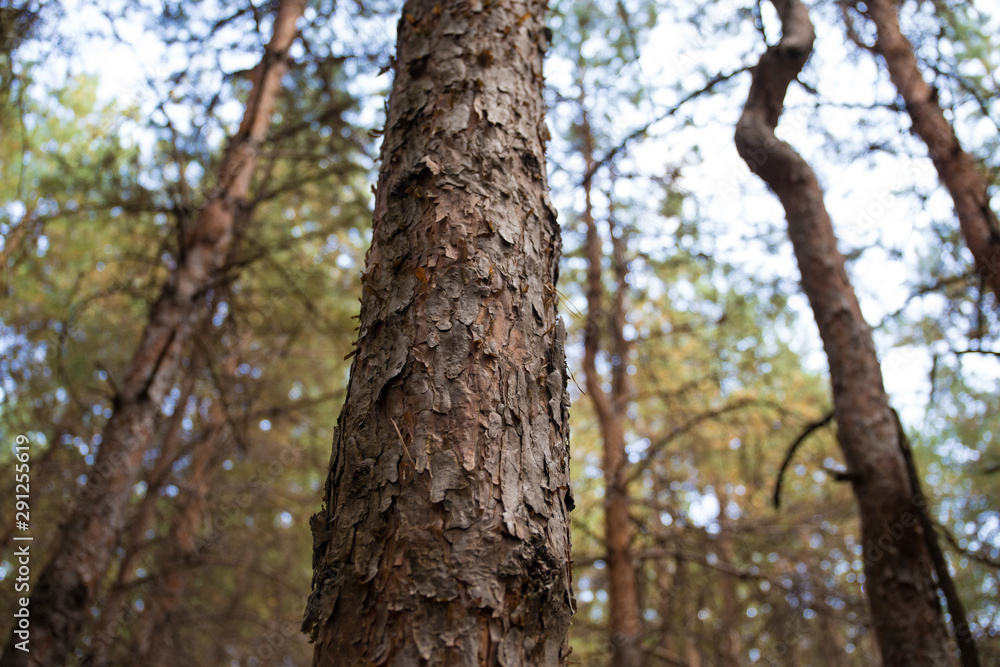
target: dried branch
<point>809,430</point>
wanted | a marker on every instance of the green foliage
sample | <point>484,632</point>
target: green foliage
<point>94,198</point>
<point>91,227</point>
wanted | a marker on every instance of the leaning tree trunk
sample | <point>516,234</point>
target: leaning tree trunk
<point>114,605</point>
<point>898,573</point>
<point>444,537</point>
<point>956,168</point>
<point>70,582</point>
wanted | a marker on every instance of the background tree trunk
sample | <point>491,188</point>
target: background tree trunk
<point>160,617</point>
<point>444,538</point>
<point>113,605</point>
<point>623,602</point>
<point>956,168</point>
<point>898,572</point>
<point>71,581</point>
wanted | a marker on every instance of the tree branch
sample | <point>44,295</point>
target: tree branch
<point>809,430</point>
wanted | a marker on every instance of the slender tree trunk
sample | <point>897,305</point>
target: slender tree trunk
<point>618,524</point>
<point>732,644</point>
<point>956,168</point>
<point>444,535</point>
<point>158,644</point>
<point>898,572</point>
<point>967,651</point>
<point>175,563</point>
<point>694,601</point>
<point>667,608</point>
<point>113,605</point>
<point>69,584</point>
<point>623,604</point>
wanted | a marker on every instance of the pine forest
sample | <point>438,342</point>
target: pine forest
<point>514,333</point>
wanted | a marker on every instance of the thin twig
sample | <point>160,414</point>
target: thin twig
<point>640,132</point>
<point>818,424</point>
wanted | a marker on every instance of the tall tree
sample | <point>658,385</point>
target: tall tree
<point>956,168</point>
<point>610,407</point>
<point>444,537</point>
<point>899,576</point>
<point>70,581</point>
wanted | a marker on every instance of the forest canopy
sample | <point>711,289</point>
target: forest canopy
<point>718,230</point>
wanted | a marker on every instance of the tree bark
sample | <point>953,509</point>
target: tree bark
<point>898,572</point>
<point>444,535</point>
<point>955,167</point>
<point>70,582</point>
<point>623,602</point>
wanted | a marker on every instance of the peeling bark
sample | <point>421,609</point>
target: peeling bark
<point>70,582</point>
<point>955,167</point>
<point>898,571</point>
<point>444,536</point>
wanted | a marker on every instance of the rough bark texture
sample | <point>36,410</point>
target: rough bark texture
<point>70,582</point>
<point>898,571</point>
<point>444,537</point>
<point>956,168</point>
<point>623,601</point>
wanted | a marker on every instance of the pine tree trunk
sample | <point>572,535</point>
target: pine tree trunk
<point>623,602</point>
<point>165,608</point>
<point>70,582</point>
<point>898,572</point>
<point>956,168</point>
<point>113,606</point>
<point>444,537</point>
